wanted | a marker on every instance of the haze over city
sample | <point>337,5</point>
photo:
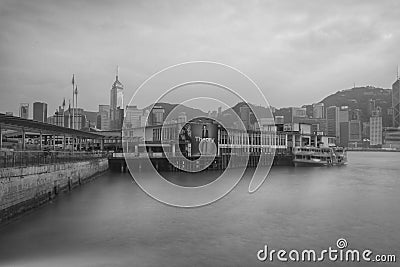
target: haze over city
<point>302,50</point>
<point>199,133</point>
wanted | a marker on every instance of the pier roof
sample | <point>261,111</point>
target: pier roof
<point>12,122</point>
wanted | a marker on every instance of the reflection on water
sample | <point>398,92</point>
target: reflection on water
<point>111,222</point>
<point>192,179</point>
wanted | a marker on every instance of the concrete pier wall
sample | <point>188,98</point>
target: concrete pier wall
<point>24,188</point>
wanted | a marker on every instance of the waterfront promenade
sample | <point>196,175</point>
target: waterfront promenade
<point>38,161</point>
<point>29,179</point>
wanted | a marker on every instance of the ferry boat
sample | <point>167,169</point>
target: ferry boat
<point>319,156</point>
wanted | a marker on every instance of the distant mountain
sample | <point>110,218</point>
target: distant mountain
<point>229,118</point>
<point>363,98</point>
<point>178,108</point>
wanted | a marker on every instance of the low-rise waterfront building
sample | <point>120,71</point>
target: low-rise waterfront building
<point>391,137</point>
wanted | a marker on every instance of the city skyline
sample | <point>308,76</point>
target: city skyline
<point>15,111</point>
<point>304,50</point>
<point>200,133</point>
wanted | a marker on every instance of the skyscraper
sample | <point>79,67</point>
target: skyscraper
<point>40,111</point>
<point>24,110</point>
<point>132,117</point>
<point>157,115</point>
<point>344,131</point>
<point>104,117</point>
<point>318,110</point>
<point>116,104</point>
<point>145,119</point>
<point>279,120</point>
<point>396,103</point>
<point>298,113</point>
<point>375,122</point>
<point>355,131</point>
<point>355,126</point>
<point>337,123</point>
<point>331,121</point>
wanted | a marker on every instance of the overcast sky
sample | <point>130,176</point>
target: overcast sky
<point>297,51</point>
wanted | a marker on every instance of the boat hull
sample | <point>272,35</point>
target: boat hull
<point>299,163</point>
<point>309,163</point>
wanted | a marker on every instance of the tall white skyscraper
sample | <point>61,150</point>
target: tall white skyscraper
<point>116,104</point>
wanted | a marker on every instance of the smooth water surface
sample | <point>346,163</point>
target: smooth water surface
<point>111,222</point>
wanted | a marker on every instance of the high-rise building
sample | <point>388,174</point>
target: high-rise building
<point>60,118</point>
<point>279,119</point>
<point>344,129</point>
<point>337,123</point>
<point>344,114</point>
<point>396,103</point>
<point>365,130</point>
<point>145,119</point>
<point>157,115</point>
<point>391,137</point>
<point>286,113</point>
<point>40,111</point>
<point>332,127</point>
<point>375,122</point>
<point>103,122</point>
<point>24,110</point>
<point>63,118</point>
<point>309,110</point>
<point>344,133</point>
<point>79,120</point>
<point>298,113</point>
<point>116,105</point>
<point>355,131</point>
<point>318,111</point>
<point>132,117</point>
<point>355,126</point>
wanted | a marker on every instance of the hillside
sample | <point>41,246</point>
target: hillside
<point>168,107</point>
<point>363,98</point>
<point>228,117</point>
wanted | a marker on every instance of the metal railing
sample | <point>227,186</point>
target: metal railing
<point>36,158</point>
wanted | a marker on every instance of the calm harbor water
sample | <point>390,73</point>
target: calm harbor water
<point>111,222</point>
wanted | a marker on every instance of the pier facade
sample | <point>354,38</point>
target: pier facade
<point>168,143</point>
